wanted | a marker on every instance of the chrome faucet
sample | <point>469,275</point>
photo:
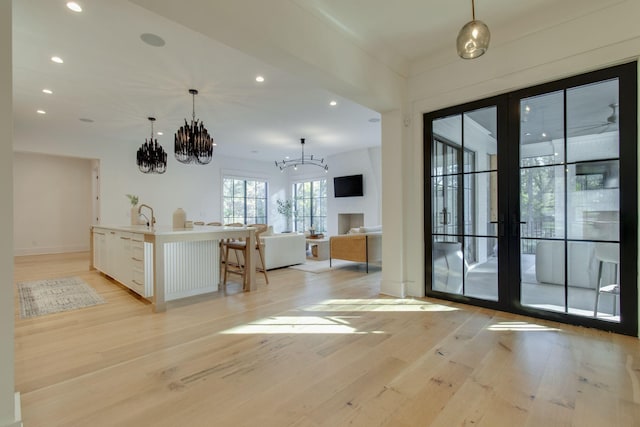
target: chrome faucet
<point>153,218</point>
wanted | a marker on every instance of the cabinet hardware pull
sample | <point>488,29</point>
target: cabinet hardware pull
<point>125,238</point>
<point>137,283</point>
<point>136,259</point>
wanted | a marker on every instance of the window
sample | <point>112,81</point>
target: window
<point>244,201</point>
<point>310,201</point>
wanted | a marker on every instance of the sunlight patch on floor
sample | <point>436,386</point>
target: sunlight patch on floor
<point>297,325</point>
<point>334,324</point>
<point>520,326</point>
<point>379,304</point>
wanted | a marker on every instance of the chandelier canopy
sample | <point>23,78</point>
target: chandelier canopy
<point>193,144</point>
<point>473,38</point>
<point>151,157</point>
<point>303,160</point>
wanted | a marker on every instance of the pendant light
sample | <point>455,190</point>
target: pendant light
<point>151,157</point>
<point>192,142</point>
<point>304,159</point>
<point>473,38</point>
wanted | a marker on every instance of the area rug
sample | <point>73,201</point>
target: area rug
<point>42,297</point>
<point>313,266</point>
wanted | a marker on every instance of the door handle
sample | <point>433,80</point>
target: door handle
<point>500,223</point>
<point>515,225</point>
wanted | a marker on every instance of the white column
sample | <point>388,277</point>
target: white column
<point>393,206</point>
<point>9,400</point>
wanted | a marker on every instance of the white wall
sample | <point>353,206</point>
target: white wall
<point>195,188</point>
<point>9,407</point>
<point>55,182</point>
<point>366,162</point>
<point>52,204</point>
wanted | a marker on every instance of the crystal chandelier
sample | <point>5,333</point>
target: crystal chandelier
<point>303,160</point>
<point>473,38</point>
<point>151,157</point>
<point>193,144</point>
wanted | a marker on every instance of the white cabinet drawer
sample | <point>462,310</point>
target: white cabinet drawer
<point>137,248</point>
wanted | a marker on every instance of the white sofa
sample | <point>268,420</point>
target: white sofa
<point>280,250</point>
<point>583,266</point>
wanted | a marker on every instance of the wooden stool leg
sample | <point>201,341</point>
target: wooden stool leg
<point>226,264</point>
<point>264,269</point>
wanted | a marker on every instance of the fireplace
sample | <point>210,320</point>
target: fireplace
<point>347,221</point>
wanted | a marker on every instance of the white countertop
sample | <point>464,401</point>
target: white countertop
<point>168,230</point>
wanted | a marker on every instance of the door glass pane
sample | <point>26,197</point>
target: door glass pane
<point>593,201</point>
<point>464,204</point>
<point>445,205</point>
<point>592,121</point>
<point>447,262</point>
<point>542,202</point>
<point>593,279</point>
<point>578,264</point>
<point>482,276</point>
<point>447,129</point>
<point>542,274</point>
<point>542,129</point>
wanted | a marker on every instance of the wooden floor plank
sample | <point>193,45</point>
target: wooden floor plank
<point>311,350</point>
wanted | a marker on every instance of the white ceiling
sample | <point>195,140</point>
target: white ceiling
<point>111,77</point>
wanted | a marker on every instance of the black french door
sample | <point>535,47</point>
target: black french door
<point>531,201</point>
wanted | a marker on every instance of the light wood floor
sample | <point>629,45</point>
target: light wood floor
<point>312,350</point>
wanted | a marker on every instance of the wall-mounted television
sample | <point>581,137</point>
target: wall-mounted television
<point>348,186</point>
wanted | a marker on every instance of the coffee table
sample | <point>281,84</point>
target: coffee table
<point>318,249</point>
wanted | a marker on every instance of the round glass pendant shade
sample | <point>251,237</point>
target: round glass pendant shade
<point>473,39</point>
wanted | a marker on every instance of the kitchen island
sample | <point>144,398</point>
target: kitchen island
<point>164,263</point>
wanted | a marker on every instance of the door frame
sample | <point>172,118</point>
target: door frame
<point>508,113</point>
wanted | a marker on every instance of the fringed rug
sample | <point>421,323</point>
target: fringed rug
<point>55,295</point>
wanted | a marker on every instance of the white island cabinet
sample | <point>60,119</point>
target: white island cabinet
<point>164,264</point>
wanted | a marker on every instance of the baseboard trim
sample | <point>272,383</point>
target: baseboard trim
<point>16,411</point>
<point>393,288</point>
<point>52,250</point>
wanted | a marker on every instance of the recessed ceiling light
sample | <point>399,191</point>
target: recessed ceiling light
<point>287,157</point>
<point>544,134</point>
<point>259,79</point>
<point>57,59</point>
<point>74,6</point>
<point>84,119</point>
<point>527,134</point>
<point>152,39</point>
<point>47,91</point>
<point>527,108</point>
<point>333,103</point>
<point>160,133</point>
<point>41,112</point>
<point>215,144</point>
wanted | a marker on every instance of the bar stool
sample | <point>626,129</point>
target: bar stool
<point>607,253</point>
<point>240,251</point>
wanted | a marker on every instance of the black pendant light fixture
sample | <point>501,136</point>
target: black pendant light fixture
<point>151,157</point>
<point>473,38</point>
<point>301,161</point>
<point>193,144</point>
